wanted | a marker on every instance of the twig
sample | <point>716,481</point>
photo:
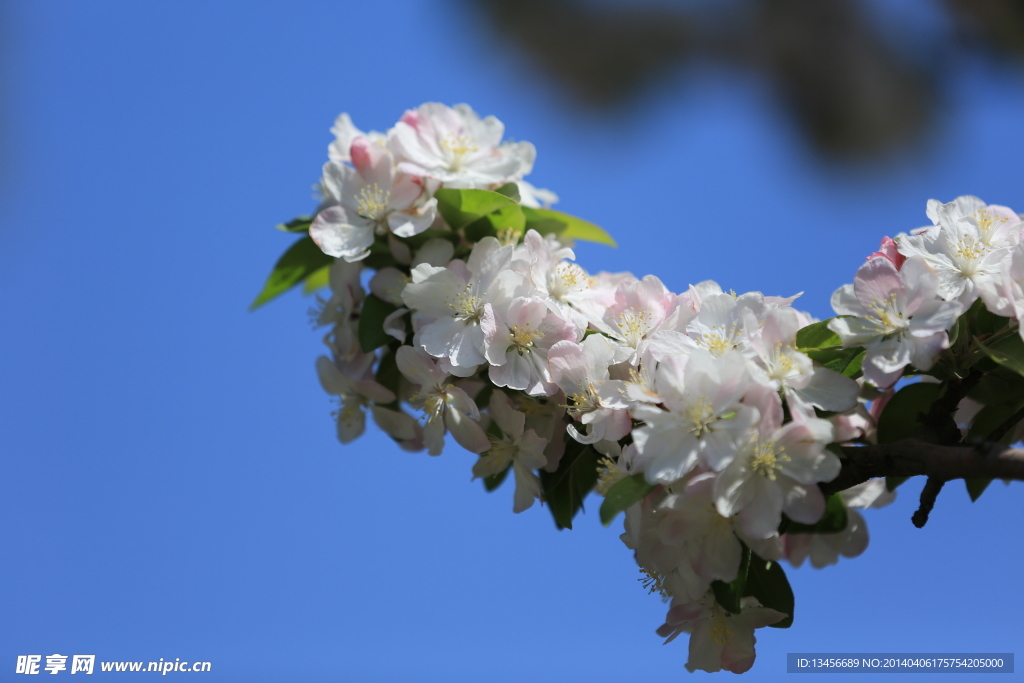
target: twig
<point>928,495</point>
<point>1010,423</point>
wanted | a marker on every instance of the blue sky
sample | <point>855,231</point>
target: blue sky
<point>170,482</point>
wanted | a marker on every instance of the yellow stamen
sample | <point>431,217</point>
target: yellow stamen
<point>633,325</point>
<point>654,583</point>
<point>372,202</point>
<point>885,315</point>
<point>768,455</point>
<point>584,401</point>
<point>457,146</point>
<point>720,629</point>
<point>521,338</point>
<point>608,474</point>
<point>698,416</point>
<point>572,276</point>
<point>465,306</point>
<point>719,339</point>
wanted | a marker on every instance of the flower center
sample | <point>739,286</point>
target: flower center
<point>767,458</point>
<point>584,401</point>
<point>521,338</point>
<point>885,315</point>
<point>568,278</point>
<point>457,146</point>
<point>349,413</point>
<point>698,416</point>
<point>372,202</point>
<point>968,251</point>
<point>653,582</point>
<point>433,404</point>
<point>720,630</point>
<point>716,343</point>
<point>633,325</point>
<point>608,475</point>
<point>466,307</point>
<point>781,365</point>
<point>497,458</point>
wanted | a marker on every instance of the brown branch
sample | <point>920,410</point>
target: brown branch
<point>928,495</point>
<point>912,457</point>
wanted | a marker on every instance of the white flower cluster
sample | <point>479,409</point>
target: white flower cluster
<point>703,400</point>
<point>910,293</point>
<point>378,183</point>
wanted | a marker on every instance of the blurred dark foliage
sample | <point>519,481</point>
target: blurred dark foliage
<point>854,89</point>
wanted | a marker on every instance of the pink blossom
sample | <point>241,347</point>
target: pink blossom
<point>890,251</point>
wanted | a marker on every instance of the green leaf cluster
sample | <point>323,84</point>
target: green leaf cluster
<point>761,579</point>
<point>485,213</point>
<point>471,214</point>
<point>371,323</point>
<point>565,488</point>
<point>824,346</point>
<point>302,261</point>
<point>622,495</point>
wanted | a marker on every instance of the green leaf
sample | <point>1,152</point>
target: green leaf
<point>510,190</point>
<point>300,261</point>
<point>547,221</point>
<point>817,336</point>
<point>984,321</point>
<point>998,386</point>
<point>976,487</point>
<point>371,323</point>
<point>300,224</point>
<point>844,361</point>
<point>388,374</point>
<point>317,280</point>
<point>545,225</point>
<point>853,368</point>
<point>483,398</point>
<point>728,594</point>
<point>565,489</point>
<point>903,413</point>
<point>380,260</point>
<point>459,208</point>
<point>494,481</point>
<point>508,219</point>
<point>1008,352</point>
<point>832,521</point>
<point>767,582</point>
<point>622,495</point>
<point>993,417</point>
<point>892,482</point>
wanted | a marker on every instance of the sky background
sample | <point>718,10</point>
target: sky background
<point>170,482</point>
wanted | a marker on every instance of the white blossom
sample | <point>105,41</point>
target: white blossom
<point>518,447</point>
<point>446,407</point>
<point>897,316</point>
<point>367,199</point>
<point>718,640</point>
<point>456,147</point>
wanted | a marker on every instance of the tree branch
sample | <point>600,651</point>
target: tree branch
<point>928,496</point>
<point>912,457</point>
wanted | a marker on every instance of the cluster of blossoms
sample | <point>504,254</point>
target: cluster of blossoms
<point>708,421</point>
<point>379,184</point>
<point>908,295</point>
